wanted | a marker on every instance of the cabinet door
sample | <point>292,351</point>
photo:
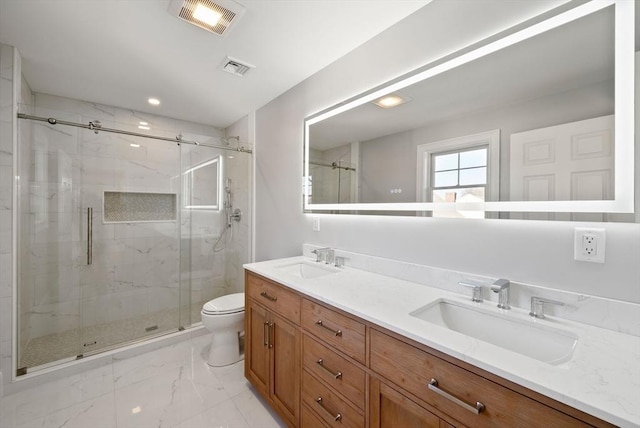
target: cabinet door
<point>256,366</point>
<point>389,408</point>
<point>285,367</point>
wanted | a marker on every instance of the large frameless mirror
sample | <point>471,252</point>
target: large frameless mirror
<point>538,124</point>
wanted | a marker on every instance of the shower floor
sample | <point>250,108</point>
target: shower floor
<point>69,344</point>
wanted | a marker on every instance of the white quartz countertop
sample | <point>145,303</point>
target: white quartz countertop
<point>602,378</point>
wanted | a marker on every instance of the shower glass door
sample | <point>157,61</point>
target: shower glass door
<point>214,240</point>
<point>98,239</point>
<point>129,259</point>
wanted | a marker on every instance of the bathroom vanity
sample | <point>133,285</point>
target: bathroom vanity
<point>334,350</point>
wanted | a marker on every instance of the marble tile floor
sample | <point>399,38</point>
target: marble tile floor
<point>68,344</point>
<point>168,387</point>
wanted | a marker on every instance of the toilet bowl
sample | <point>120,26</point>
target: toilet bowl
<point>224,318</point>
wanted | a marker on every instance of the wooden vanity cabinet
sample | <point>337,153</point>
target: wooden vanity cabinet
<point>319,366</point>
<point>390,408</point>
<point>333,358</point>
<point>468,395</point>
<point>272,346</point>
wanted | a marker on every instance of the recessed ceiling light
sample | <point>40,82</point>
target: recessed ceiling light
<point>146,128</point>
<point>154,101</point>
<point>134,145</point>
<point>391,100</point>
<point>207,15</point>
<point>143,123</point>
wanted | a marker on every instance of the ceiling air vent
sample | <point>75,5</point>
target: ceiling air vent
<point>215,16</point>
<point>234,66</point>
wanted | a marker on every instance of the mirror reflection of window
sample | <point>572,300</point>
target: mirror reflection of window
<point>459,177</point>
<point>462,169</point>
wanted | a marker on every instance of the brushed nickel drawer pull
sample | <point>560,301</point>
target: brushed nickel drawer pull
<point>479,407</point>
<point>337,375</point>
<point>265,333</point>
<point>336,418</point>
<point>335,332</point>
<point>266,296</point>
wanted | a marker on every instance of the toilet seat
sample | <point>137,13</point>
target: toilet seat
<point>229,304</point>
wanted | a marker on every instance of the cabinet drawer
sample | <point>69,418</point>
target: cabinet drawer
<point>342,375</point>
<point>346,334</point>
<point>412,369</point>
<point>308,419</point>
<point>333,411</point>
<point>273,296</point>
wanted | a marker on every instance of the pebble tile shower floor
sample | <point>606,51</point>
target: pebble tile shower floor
<point>168,387</point>
<point>69,344</point>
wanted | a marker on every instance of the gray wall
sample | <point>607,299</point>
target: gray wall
<point>526,251</point>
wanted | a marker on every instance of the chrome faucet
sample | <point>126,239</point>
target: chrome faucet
<point>325,254</point>
<point>476,295</point>
<point>537,306</point>
<point>501,286</point>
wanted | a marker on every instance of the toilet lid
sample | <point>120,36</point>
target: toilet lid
<point>225,304</point>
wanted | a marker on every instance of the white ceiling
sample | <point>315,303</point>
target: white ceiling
<point>121,52</point>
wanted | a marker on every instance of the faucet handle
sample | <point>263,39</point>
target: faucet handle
<point>339,261</point>
<point>476,287</point>
<point>537,306</point>
<point>500,284</point>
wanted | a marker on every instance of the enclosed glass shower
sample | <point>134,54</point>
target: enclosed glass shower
<point>121,238</point>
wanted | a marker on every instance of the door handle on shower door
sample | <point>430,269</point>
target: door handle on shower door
<point>89,236</point>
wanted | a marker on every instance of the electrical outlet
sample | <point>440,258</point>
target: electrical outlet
<point>589,245</point>
<point>316,223</point>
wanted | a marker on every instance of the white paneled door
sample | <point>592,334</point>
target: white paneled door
<point>572,161</point>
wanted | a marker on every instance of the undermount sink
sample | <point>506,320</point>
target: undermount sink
<point>308,270</point>
<point>543,343</point>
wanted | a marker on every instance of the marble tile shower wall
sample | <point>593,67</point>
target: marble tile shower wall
<point>238,251</point>
<point>135,265</point>
<point>9,66</point>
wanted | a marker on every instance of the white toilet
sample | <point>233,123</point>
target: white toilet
<point>224,317</point>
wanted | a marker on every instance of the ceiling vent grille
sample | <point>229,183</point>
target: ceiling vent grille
<point>218,16</point>
<point>236,67</point>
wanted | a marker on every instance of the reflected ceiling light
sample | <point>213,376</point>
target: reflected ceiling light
<point>143,123</point>
<point>134,145</point>
<point>146,128</point>
<point>154,101</point>
<point>391,100</point>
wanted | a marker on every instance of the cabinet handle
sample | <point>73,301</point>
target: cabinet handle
<point>265,333</point>
<point>270,331</point>
<point>337,375</point>
<point>335,332</point>
<point>479,407</point>
<point>336,418</point>
<point>266,296</point>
